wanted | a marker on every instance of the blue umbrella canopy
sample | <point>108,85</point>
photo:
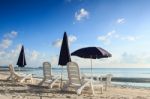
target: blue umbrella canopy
<point>64,56</point>
<point>21,60</point>
<point>91,52</point>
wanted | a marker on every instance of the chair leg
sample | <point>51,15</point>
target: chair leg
<point>106,86</point>
<point>53,82</point>
<point>92,88</point>
<point>41,83</point>
<point>9,77</point>
<point>59,85</point>
<point>79,91</point>
<point>101,90</point>
<point>31,79</point>
<point>65,86</point>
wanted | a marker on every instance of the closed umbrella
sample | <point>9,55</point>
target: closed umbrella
<point>21,60</point>
<point>91,53</point>
<point>64,56</point>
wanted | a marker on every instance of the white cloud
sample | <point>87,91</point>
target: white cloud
<point>120,20</point>
<point>10,35</point>
<point>72,39</point>
<point>123,60</point>
<point>111,33</point>
<point>34,55</point>
<point>9,56</point>
<point>102,38</point>
<point>15,52</point>
<point>130,38</point>
<point>7,40</point>
<point>58,42</point>
<point>129,58</point>
<point>81,14</point>
<point>2,53</point>
<point>118,60</point>
<point>106,39</point>
<point>35,58</point>
<point>5,43</point>
<point>54,60</point>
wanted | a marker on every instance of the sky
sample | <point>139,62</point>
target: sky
<point>119,26</point>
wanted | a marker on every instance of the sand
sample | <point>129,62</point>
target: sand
<point>9,90</point>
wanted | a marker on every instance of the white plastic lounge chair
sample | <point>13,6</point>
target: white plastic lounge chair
<point>16,77</point>
<point>48,77</point>
<point>108,81</point>
<point>75,80</point>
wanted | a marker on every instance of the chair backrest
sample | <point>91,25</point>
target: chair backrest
<point>108,78</point>
<point>73,73</point>
<point>47,70</point>
<point>12,72</point>
<point>11,69</point>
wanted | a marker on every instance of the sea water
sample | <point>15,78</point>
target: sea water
<point>116,72</point>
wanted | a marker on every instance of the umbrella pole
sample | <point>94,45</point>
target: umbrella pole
<point>19,69</point>
<point>91,70</point>
<point>61,77</point>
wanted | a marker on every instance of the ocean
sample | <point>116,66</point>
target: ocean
<point>136,77</point>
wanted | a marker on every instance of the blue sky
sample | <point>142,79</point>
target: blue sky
<point>119,26</point>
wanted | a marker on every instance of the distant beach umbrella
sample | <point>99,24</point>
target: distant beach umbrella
<point>21,60</point>
<point>91,53</point>
<point>64,56</point>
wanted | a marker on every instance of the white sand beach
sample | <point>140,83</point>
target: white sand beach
<point>9,90</point>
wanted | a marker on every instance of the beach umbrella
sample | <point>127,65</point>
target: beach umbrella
<point>91,53</point>
<point>21,60</point>
<point>64,56</point>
